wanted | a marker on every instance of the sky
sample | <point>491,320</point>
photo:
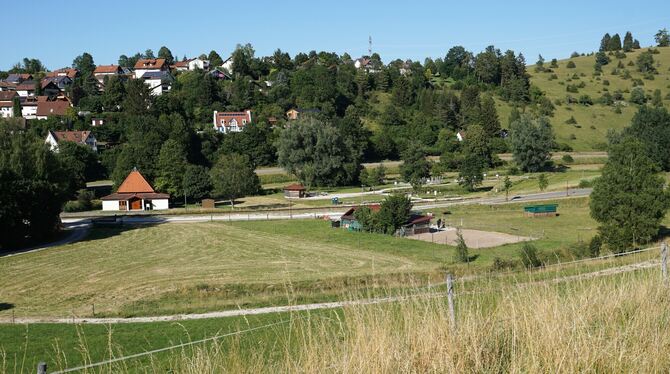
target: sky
<point>57,31</point>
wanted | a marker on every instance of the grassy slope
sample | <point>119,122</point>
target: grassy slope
<point>598,116</point>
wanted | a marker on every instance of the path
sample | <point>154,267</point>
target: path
<point>76,231</point>
<point>307,307</point>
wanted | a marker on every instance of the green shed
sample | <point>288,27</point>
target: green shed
<point>542,210</point>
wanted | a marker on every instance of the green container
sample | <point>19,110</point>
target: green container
<point>544,208</point>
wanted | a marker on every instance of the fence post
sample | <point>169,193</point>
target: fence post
<point>664,262</point>
<point>450,300</point>
<point>42,368</point>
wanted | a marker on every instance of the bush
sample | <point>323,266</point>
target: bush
<point>513,171</point>
<point>461,248</point>
<point>573,137</point>
<point>606,82</point>
<point>571,121</point>
<point>579,250</point>
<point>574,54</point>
<point>500,264</point>
<point>595,245</point>
<point>585,100</point>
<point>637,96</point>
<point>529,256</point>
<point>567,159</point>
<point>572,88</point>
<point>585,183</point>
<point>570,65</point>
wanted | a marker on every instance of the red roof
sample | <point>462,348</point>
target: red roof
<point>182,64</point>
<point>7,95</point>
<point>295,187</point>
<point>26,86</point>
<point>71,136</point>
<point>52,108</point>
<point>135,183</point>
<point>227,119</point>
<point>69,72</point>
<point>107,69</point>
<point>143,195</point>
<point>349,214</point>
<point>151,63</point>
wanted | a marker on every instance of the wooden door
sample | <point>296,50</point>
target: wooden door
<point>135,204</point>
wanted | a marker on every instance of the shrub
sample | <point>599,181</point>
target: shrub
<point>570,65</point>
<point>595,245</point>
<point>461,248</point>
<point>573,137</point>
<point>585,100</point>
<point>567,159</point>
<point>529,256</point>
<point>500,264</point>
<point>553,76</point>
<point>572,88</point>
<point>579,250</point>
<point>620,65</point>
<point>606,82</point>
<point>637,96</point>
<point>564,147</point>
<point>571,120</point>
<point>513,170</point>
<point>585,183</point>
<point>619,55</point>
<point>574,54</point>
<point>631,63</point>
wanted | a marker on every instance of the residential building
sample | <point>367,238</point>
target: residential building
<point>26,88</point>
<point>62,82</point>
<point>460,135</point>
<point>192,64</point>
<point>50,88</point>
<point>102,71</point>
<point>18,78</point>
<point>64,72</point>
<point>134,194</point>
<point>348,220</point>
<point>7,86</point>
<point>150,65</point>
<point>7,104</point>
<point>367,64</point>
<point>54,138</point>
<point>96,121</point>
<point>226,122</point>
<point>295,113</point>
<point>158,81</point>
<point>47,108</point>
<point>228,65</point>
<point>29,107</point>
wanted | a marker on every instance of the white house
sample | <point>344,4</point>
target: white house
<point>102,71</point>
<point>143,66</point>
<point>134,194</point>
<point>460,136</point>
<point>192,64</point>
<point>26,89</point>
<point>7,104</point>
<point>54,138</point>
<point>158,81</point>
<point>29,108</point>
<point>226,122</point>
<point>228,65</point>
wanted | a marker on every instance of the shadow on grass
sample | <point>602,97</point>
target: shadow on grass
<point>107,227</point>
<point>6,306</point>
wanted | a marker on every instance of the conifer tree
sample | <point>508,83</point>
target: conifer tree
<point>628,42</point>
<point>615,43</point>
<point>605,43</point>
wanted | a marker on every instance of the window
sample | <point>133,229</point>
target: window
<point>123,205</point>
<point>244,121</point>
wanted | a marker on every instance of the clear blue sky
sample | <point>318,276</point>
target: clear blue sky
<point>57,31</point>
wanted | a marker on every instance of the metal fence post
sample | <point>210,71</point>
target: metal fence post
<point>450,299</point>
<point>42,368</point>
<point>664,262</point>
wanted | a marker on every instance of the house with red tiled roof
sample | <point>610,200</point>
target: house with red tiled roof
<point>191,64</point>
<point>26,88</point>
<point>47,108</point>
<point>54,138</point>
<point>147,65</point>
<point>102,71</point>
<point>7,103</point>
<point>134,194</point>
<point>227,122</point>
<point>64,72</point>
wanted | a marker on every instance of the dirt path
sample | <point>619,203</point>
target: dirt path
<point>307,307</point>
<point>473,238</point>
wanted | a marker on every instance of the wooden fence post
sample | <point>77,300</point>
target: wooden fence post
<point>450,299</point>
<point>664,262</point>
<point>42,368</point>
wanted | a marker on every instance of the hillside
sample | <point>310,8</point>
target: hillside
<point>593,121</point>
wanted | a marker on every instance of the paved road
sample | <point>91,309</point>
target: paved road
<point>75,230</point>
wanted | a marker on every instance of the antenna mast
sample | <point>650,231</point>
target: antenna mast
<point>370,45</point>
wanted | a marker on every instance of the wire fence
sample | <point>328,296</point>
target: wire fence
<point>449,293</point>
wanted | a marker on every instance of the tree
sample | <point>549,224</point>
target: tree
<point>214,58</point>
<point>84,63</point>
<point>415,167</point>
<point>80,163</point>
<point>471,171</point>
<point>637,96</point>
<point>149,54</point>
<point>171,168</point>
<point>602,59</point>
<point>531,140</point>
<point>615,43</point>
<point>645,62</point>
<point>16,107</point>
<point>636,44</point>
<point>628,200</point>
<point>628,42</point>
<point>319,153</point>
<point>165,53</point>
<point>233,176</point>
<point>652,127</point>
<point>488,117</point>
<point>197,183</point>
<point>462,254</point>
<point>32,189</point>
<point>662,38</point>
<point>604,43</point>
<point>393,213</point>
<point>242,57</point>
<point>507,186</point>
<point>138,98</point>
<point>657,99</point>
<point>114,93</point>
<point>542,182</point>
<point>470,105</point>
<point>478,142</point>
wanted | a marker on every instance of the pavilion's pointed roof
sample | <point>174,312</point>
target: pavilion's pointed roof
<point>135,183</point>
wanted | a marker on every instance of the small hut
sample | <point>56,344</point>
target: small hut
<point>543,210</point>
<point>295,190</point>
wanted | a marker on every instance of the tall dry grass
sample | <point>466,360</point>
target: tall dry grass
<point>610,324</point>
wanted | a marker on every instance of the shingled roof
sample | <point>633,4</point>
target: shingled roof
<point>135,183</point>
